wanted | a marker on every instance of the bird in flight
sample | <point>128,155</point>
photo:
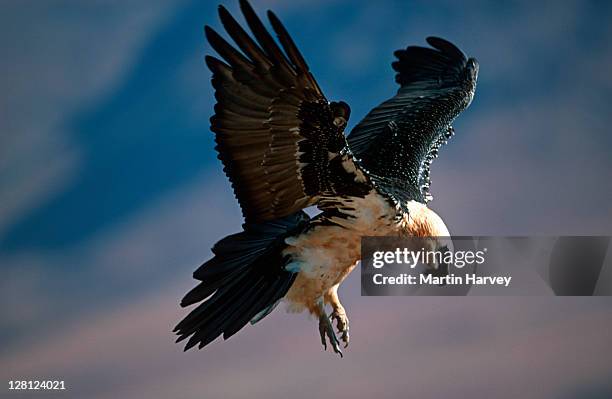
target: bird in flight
<point>283,148</point>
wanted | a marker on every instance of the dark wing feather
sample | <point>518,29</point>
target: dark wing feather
<point>243,282</point>
<point>276,132</point>
<point>397,140</point>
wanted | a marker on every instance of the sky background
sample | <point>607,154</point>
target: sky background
<point>111,195</point>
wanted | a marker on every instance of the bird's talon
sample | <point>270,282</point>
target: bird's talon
<point>326,330</point>
<point>342,323</point>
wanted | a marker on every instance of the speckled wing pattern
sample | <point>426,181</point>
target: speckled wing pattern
<point>397,141</point>
<point>276,133</point>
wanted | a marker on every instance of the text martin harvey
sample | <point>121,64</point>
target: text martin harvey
<point>451,279</point>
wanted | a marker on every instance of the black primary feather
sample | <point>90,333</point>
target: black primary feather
<point>397,141</point>
<point>276,133</point>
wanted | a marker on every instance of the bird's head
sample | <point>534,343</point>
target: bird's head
<point>341,113</point>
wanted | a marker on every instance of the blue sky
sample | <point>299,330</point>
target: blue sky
<point>110,192</point>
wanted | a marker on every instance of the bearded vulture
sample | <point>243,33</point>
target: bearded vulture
<point>283,148</point>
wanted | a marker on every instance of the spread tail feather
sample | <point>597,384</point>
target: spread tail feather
<point>242,283</point>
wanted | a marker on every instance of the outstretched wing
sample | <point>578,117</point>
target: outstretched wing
<point>397,141</point>
<point>276,133</point>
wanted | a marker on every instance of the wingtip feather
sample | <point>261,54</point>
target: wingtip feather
<point>445,46</point>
